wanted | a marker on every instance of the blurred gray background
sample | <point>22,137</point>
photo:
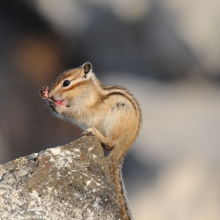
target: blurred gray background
<point>165,52</point>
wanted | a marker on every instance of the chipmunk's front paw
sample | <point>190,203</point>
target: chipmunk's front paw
<point>90,131</point>
<point>44,92</point>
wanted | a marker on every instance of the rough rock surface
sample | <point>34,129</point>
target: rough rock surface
<point>66,182</point>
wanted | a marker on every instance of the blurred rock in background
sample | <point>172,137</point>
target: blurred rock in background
<point>165,52</point>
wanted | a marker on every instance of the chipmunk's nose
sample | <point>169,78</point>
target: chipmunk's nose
<point>55,97</point>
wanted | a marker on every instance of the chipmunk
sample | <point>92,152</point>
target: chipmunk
<point>110,113</point>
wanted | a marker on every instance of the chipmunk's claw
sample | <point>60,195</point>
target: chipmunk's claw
<point>90,132</point>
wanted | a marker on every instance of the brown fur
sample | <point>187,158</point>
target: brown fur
<point>111,113</point>
<point>122,94</point>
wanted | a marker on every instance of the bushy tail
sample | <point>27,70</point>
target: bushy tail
<point>115,168</point>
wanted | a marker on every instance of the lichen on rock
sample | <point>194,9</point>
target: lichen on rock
<point>66,182</point>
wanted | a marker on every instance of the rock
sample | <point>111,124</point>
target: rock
<point>66,182</point>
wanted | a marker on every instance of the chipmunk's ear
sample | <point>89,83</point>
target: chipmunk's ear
<point>87,67</point>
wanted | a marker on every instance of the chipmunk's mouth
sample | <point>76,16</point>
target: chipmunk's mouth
<point>53,101</point>
<point>62,102</point>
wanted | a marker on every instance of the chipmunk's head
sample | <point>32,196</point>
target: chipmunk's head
<point>70,87</point>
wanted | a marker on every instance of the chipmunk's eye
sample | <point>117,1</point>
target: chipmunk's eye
<point>66,83</point>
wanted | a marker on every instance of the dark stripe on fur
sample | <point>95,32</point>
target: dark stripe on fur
<point>136,107</point>
<point>63,76</point>
<point>75,85</point>
<point>114,87</point>
<point>122,94</point>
